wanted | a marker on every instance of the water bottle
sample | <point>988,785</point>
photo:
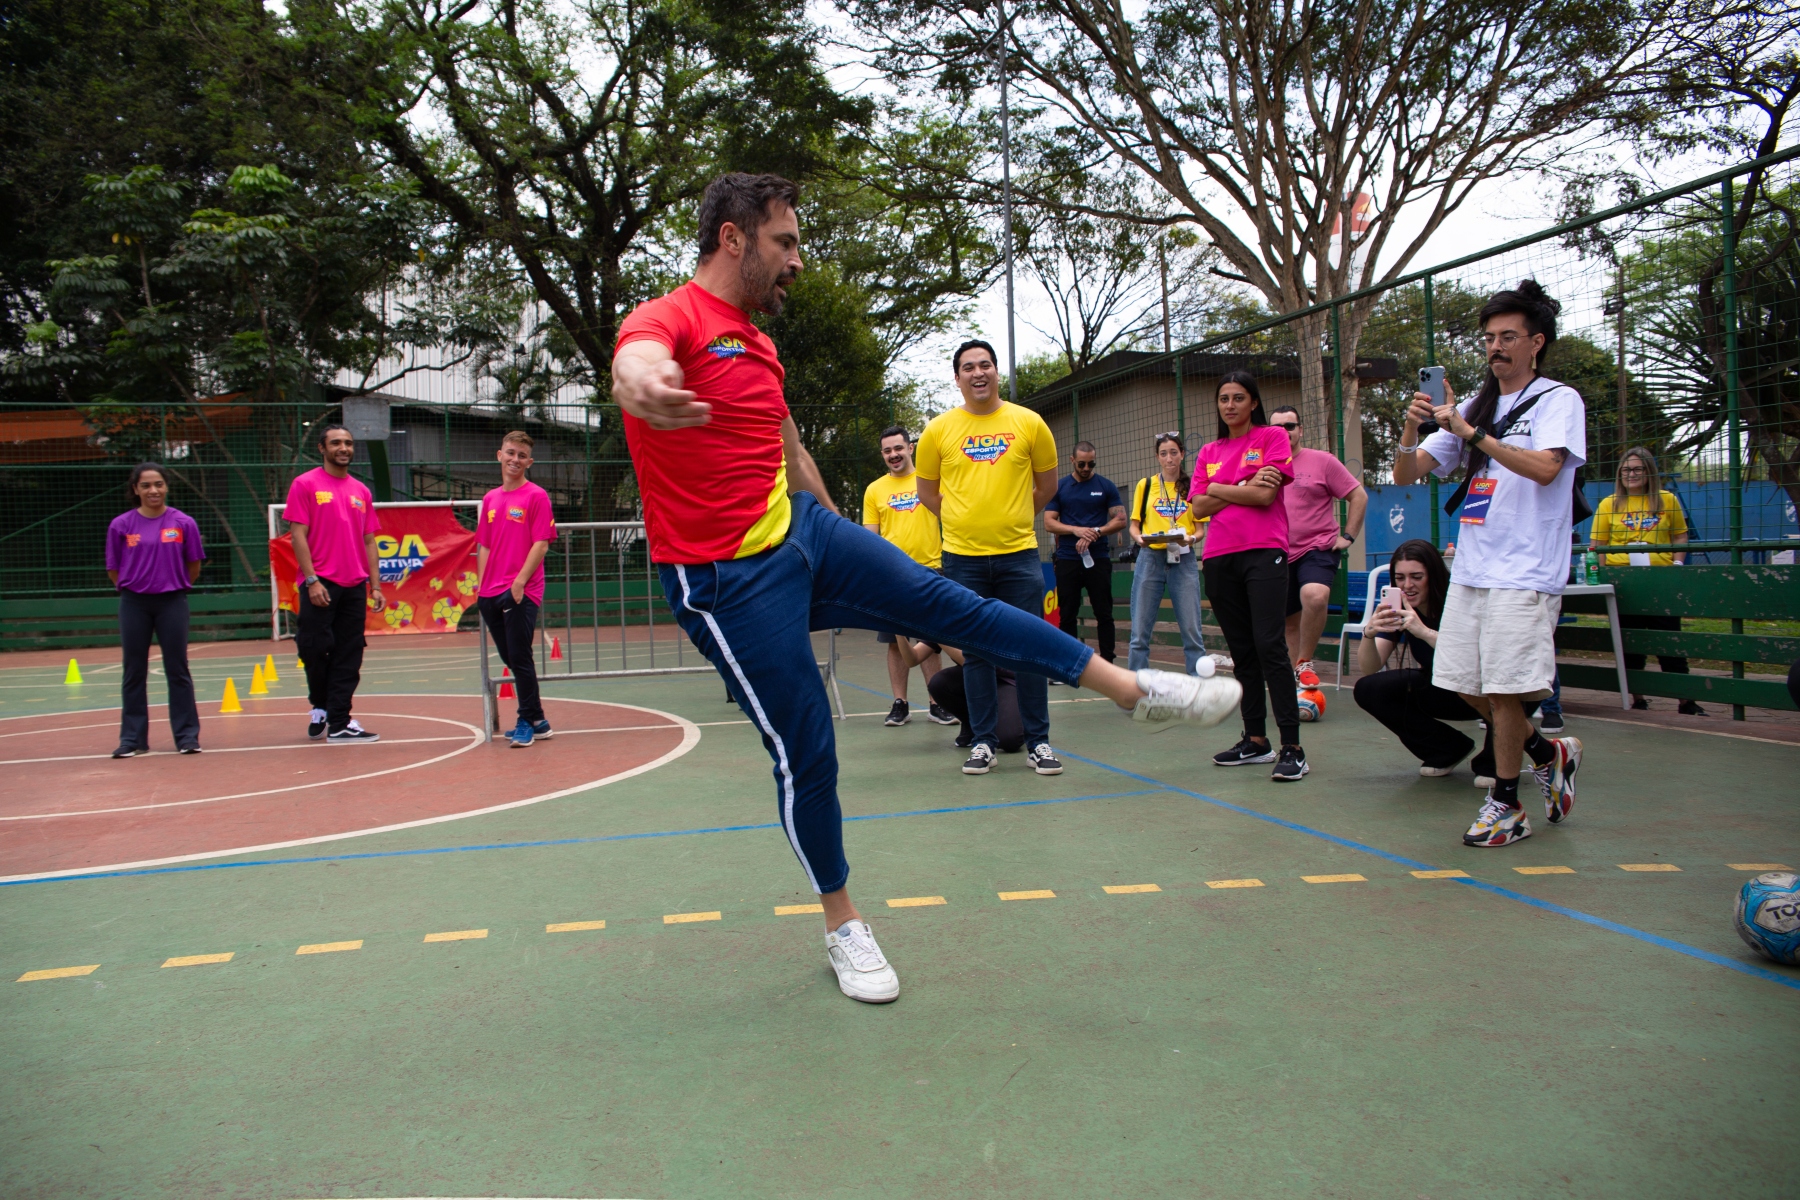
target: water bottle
<point>1590,568</point>
<point>1087,560</point>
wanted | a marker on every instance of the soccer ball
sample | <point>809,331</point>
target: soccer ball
<point>1768,916</point>
<point>1312,704</point>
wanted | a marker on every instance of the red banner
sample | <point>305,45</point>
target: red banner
<point>427,571</point>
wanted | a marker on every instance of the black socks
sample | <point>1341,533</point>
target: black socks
<point>1540,749</point>
<point>1506,791</point>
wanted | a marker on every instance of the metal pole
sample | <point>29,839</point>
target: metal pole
<point>1624,428</point>
<point>594,590</point>
<point>1337,383</point>
<point>1162,262</point>
<point>649,608</point>
<point>1180,409</point>
<point>568,610</point>
<point>490,714</point>
<point>1728,246</point>
<point>1075,413</point>
<point>1012,371</point>
<point>622,660</point>
<point>1431,361</point>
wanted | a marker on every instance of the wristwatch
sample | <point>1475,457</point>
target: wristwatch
<point>310,580</point>
<point>1480,433</point>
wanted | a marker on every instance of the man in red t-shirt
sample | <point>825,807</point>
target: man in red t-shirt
<point>1316,543</point>
<point>333,522</point>
<point>753,556</point>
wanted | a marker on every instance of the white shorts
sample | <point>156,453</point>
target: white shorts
<point>1497,642</point>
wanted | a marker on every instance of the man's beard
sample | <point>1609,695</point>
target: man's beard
<point>762,286</point>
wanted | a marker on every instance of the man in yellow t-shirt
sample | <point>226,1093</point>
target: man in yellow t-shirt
<point>987,469</point>
<point>891,509</point>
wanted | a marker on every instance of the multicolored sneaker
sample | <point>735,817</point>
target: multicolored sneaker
<point>1497,825</point>
<point>1557,778</point>
<point>1305,675</point>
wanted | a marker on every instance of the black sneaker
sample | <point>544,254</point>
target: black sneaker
<point>1243,754</point>
<point>965,739</point>
<point>1690,708</point>
<point>981,760</point>
<point>1290,766</point>
<point>351,735</point>
<point>1043,760</point>
<point>130,751</point>
<point>900,714</point>
<point>191,748</point>
<point>940,714</point>
<point>315,724</point>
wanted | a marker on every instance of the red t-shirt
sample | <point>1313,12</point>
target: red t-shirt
<point>716,491</point>
<point>338,514</point>
<point>509,524</point>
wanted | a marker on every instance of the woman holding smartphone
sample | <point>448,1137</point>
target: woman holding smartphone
<point>1394,662</point>
<point>1237,484</point>
<point>153,556</point>
<point>1165,534</point>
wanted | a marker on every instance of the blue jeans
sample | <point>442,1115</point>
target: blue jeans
<point>1153,576</point>
<point>1016,579</point>
<point>1551,705</point>
<point>752,619</point>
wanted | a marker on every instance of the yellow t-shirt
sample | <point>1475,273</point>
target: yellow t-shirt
<point>1633,522</point>
<point>985,468</point>
<point>1166,508</point>
<point>893,504</point>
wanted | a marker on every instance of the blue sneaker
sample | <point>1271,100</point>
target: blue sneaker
<point>541,730</point>
<point>520,737</point>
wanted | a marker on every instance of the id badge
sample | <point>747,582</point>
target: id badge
<point>1475,504</point>
<point>1638,558</point>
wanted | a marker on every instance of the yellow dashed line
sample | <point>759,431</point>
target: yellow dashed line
<point>1440,874</point>
<point>916,901</point>
<point>456,935</point>
<point>688,918</point>
<point>573,926</point>
<point>1041,894</point>
<point>1334,879</point>
<point>1648,867</point>
<point>196,960</point>
<point>1126,889</point>
<point>794,910</point>
<point>57,973</point>
<point>1234,883</point>
<point>1545,870</point>
<point>1757,866</point>
<point>329,947</point>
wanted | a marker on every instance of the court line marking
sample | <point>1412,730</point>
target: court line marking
<point>1648,867</point>
<point>689,918</point>
<point>310,746</point>
<point>916,901</point>
<point>329,947</point>
<point>1128,889</point>
<point>456,935</point>
<point>199,960</point>
<point>794,910</point>
<point>1741,737</point>
<point>1335,878</point>
<point>1234,883</point>
<point>155,866</point>
<point>1758,866</point>
<point>57,973</point>
<point>1034,894</point>
<point>1718,960</point>
<point>1545,870</point>
<point>573,926</point>
<point>1440,874</point>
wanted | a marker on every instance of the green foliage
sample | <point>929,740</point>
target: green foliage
<point>1038,371</point>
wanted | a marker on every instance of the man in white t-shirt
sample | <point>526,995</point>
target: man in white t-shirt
<point>1522,438</point>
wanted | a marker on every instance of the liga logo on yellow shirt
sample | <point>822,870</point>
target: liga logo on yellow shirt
<point>903,501</point>
<point>987,447</point>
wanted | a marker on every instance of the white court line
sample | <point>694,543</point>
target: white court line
<point>312,746</point>
<point>689,739</point>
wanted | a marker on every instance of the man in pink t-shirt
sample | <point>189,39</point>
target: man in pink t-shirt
<point>1316,544</point>
<point>514,529</point>
<point>333,522</point>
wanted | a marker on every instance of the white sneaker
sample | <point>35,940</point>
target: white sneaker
<point>862,969</point>
<point>1221,662</point>
<point>1172,697</point>
<point>1485,781</point>
<point>1435,772</point>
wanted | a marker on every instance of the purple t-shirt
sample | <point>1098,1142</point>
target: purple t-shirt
<point>1319,479</point>
<point>152,555</point>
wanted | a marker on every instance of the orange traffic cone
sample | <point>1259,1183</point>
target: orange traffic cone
<point>555,649</point>
<point>506,688</point>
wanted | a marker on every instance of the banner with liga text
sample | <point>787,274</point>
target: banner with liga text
<point>427,571</point>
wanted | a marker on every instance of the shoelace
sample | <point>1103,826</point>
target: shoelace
<point>1492,812</point>
<point>860,948</point>
<point>982,750</point>
<point>1042,750</point>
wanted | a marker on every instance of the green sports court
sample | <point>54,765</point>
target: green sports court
<point>1145,977</point>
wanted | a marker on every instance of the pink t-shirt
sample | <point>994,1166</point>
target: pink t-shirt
<point>1319,479</point>
<point>338,514</point>
<point>1244,526</point>
<point>508,524</point>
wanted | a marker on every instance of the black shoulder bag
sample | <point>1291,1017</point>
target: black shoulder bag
<point>1579,508</point>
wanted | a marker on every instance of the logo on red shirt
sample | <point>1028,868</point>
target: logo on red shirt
<point>172,535</point>
<point>356,502</point>
<point>726,346</point>
<point>987,447</point>
<point>1252,457</point>
<point>515,512</point>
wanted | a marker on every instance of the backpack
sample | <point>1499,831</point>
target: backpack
<point>1579,508</point>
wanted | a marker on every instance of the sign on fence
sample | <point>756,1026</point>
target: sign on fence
<point>427,571</point>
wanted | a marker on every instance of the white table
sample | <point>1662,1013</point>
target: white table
<point>1612,620</point>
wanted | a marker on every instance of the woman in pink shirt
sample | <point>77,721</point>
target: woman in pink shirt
<point>1237,482</point>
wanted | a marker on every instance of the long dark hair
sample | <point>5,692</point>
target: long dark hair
<point>1437,575</point>
<point>1528,300</point>
<point>1248,382</point>
<point>1185,481</point>
<point>137,473</point>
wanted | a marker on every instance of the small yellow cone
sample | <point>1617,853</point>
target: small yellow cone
<point>74,675</point>
<point>257,686</point>
<point>298,665</point>
<point>230,703</point>
<point>269,673</point>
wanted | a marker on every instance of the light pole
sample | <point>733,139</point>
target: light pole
<point>1012,372</point>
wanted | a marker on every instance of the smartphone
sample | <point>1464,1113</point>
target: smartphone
<point>1431,382</point>
<point>1390,597</point>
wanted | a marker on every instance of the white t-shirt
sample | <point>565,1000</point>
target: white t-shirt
<point>1518,539</point>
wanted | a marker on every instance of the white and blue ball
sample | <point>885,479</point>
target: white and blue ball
<point>1768,916</point>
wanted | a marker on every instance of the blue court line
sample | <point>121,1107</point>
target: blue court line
<point>586,841</point>
<point>1652,939</point>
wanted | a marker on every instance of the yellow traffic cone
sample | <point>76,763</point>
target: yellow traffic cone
<point>257,686</point>
<point>230,703</point>
<point>298,665</point>
<point>74,675</point>
<point>269,674</point>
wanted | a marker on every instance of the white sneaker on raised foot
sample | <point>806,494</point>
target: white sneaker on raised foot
<point>862,969</point>
<point>1172,697</point>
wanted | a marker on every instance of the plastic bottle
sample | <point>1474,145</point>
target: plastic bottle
<point>1087,560</point>
<point>1590,568</point>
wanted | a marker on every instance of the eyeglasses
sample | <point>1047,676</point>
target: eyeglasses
<point>1509,338</point>
<point>1632,471</point>
<point>1285,424</point>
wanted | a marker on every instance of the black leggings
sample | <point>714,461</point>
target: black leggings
<point>166,615</point>
<point>1248,591</point>
<point>946,687</point>
<point>1673,664</point>
<point>1414,710</point>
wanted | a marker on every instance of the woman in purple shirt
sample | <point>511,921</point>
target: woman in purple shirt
<point>153,556</point>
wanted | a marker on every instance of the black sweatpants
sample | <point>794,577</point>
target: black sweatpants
<point>1248,591</point>
<point>1674,664</point>
<point>513,624</point>
<point>330,641</point>
<point>1414,711</point>
<point>164,614</point>
<point>946,688</point>
<point>1071,580</point>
